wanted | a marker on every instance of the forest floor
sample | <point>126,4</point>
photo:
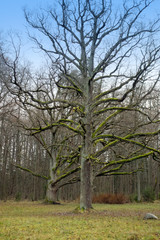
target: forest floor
<point>36,221</point>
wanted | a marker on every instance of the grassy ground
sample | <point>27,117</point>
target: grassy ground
<point>36,221</point>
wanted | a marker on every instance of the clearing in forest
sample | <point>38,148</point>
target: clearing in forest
<point>36,221</point>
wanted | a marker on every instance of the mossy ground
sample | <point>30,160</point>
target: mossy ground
<point>36,221</point>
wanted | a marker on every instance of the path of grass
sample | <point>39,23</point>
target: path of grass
<point>35,221</point>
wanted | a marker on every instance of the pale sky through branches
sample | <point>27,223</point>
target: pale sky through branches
<point>12,19</point>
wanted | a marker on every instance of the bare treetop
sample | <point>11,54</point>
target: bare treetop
<point>94,38</point>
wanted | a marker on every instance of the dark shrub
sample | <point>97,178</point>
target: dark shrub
<point>148,195</point>
<point>18,196</point>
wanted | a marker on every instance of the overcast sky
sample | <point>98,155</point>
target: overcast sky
<point>12,18</point>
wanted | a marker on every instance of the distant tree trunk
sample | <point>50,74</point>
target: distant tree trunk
<point>1,157</point>
<point>138,184</point>
<point>18,162</point>
<point>4,168</point>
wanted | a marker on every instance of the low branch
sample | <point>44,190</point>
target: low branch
<point>31,172</point>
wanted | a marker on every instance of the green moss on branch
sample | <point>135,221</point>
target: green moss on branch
<point>126,160</point>
<point>31,172</point>
<point>66,174</point>
<point>99,128</point>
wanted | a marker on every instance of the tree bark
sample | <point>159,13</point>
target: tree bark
<point>86,166</point>
<point>51,193</point>
<point>138,184</point>
<point>86,183</point>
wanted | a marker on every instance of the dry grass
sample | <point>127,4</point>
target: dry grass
<point>36,221</point>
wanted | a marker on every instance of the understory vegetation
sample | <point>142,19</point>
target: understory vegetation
<point>110,198</point>
<point>34,220</point>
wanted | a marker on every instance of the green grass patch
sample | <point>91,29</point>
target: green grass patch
<point>36,221</point>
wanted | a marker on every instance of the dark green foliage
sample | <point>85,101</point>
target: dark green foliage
<point>18,196</point>
<point>46,201</point>
<point>148,195</point>
<point>133,198</point>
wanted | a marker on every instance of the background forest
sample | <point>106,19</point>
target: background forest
<point>19,148</point>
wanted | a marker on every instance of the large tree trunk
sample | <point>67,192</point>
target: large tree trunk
<point>86,165</point>
<point>51,193</point>
<point>86,183</point>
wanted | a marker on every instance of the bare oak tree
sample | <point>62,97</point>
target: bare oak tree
<point>114,49</point>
